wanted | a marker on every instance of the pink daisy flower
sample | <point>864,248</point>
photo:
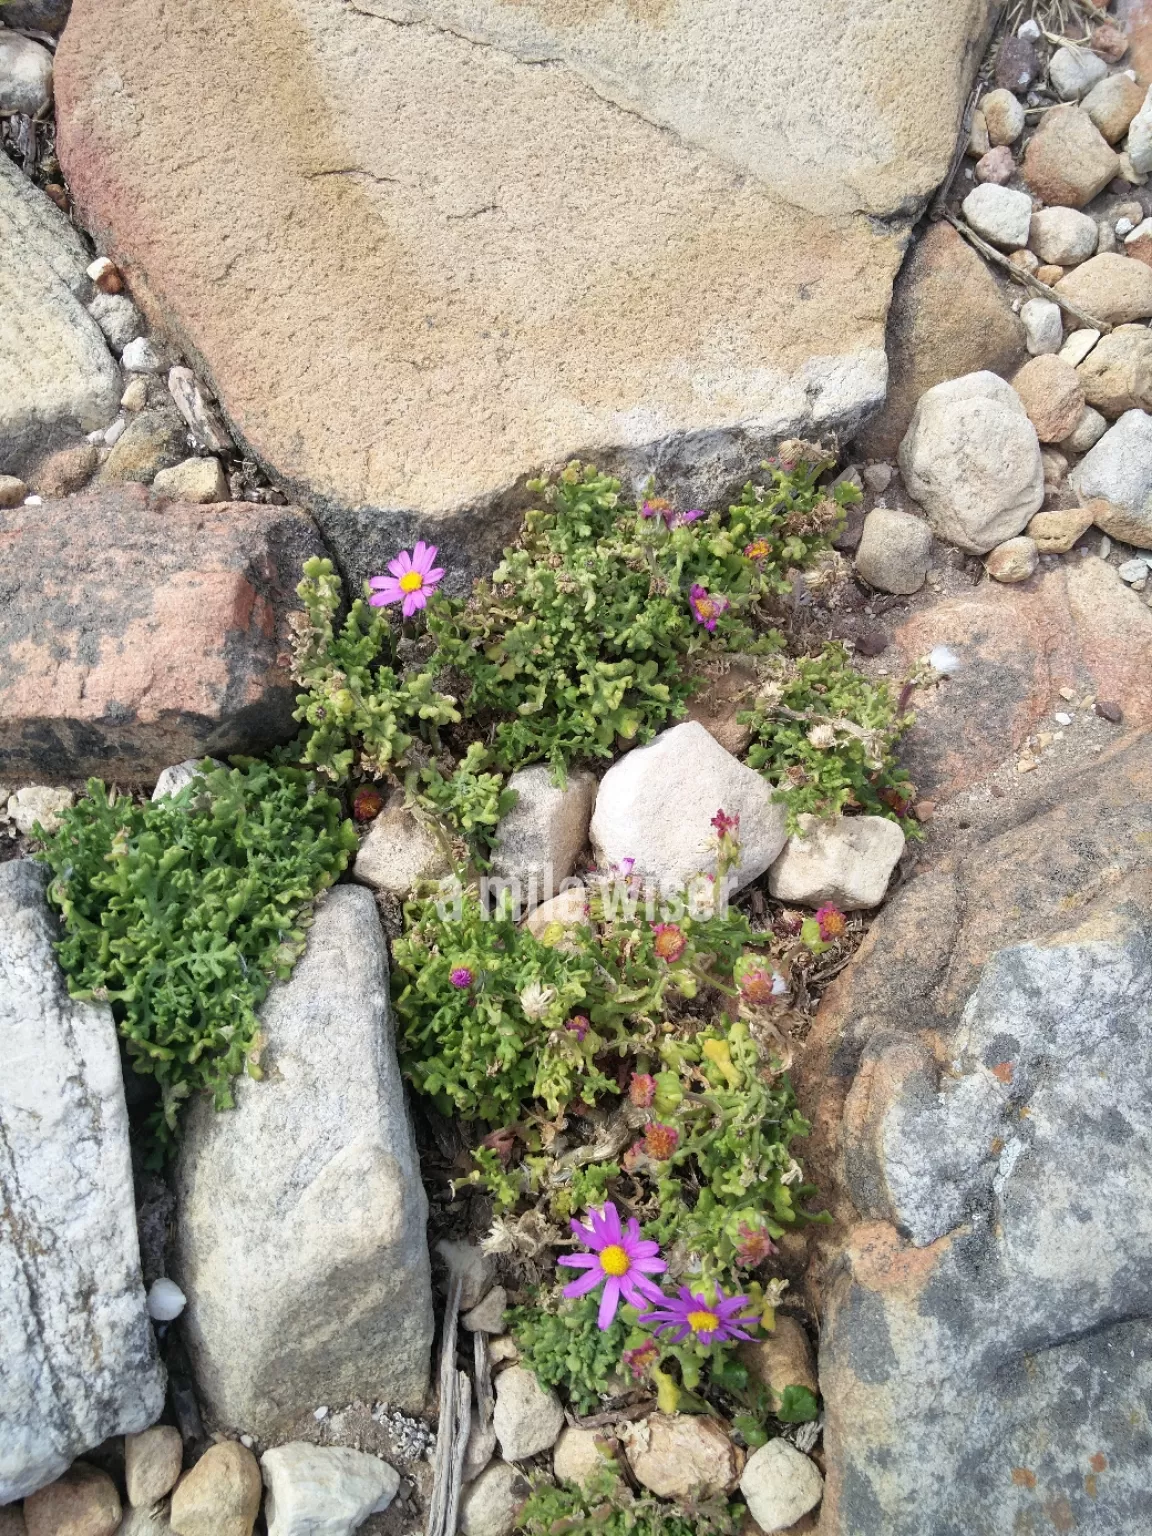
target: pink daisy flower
<point>620,1260</point>
<point>411,580</point>
<point>691,1315</point>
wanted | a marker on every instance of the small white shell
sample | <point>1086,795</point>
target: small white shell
<point>165,1300</point>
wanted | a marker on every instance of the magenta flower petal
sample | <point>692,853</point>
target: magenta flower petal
<point>401,565</point>
<point>586,1283</point>
<point>579,1260</point>
<point>608,1303</point>
<point>423,556</point>
<point>376,582</point>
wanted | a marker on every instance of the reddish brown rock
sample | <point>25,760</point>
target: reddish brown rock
<point>949,317</point>
<point>1052,394</point>
<point>131,637</point>
<point>1076,626</point>
<point>1068,160</point>
<point>723,695</point>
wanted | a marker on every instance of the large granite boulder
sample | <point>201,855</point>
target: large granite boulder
<point>544,230</point>
<point>78,1359</point>
<point>300,1229</point>
<point>58,379</point>
<point>981,1080</point>
<point>133,636</point>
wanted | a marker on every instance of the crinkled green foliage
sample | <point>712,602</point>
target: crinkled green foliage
<point>480,1052</point>
<point>182,911</point>
<point>565,1348</point>
<point>606,1506</point>
<point>734,1150</point>
<point>576,643</point>
<point>828,740</point>
<point>468,800</point>
<point>359,709</point>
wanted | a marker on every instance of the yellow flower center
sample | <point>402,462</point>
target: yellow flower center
<point>411,581</point>
<point>703,1322</point>
<point>707,608</point>
<point>613,1260</point>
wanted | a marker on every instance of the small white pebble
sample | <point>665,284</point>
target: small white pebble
<point>140,356</point>
<point>1124,226</point>
<point>321,1413</point>
<point>1062,718</point>
<point>247,1440</point>
<point>1105,547</point>
<point>944,660</point>
<point>165,1300</point>
<point>95,437</point>
<point>33,501</point>
<point>1029,29</point>
<point>1133,570</point>
<point>116,431</point>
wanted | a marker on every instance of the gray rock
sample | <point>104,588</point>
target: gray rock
<point>1036,1288</point>
<point>480,1449</point>
<point>488,1315</point>
<point>1086,433</point>
<point>318,1490</point>
<point>57,378</point>
<point>176,778</point>
<point>656,806</point>
<point>894,551</point>
<point>1001,215</point>
<point>25,75</point>
<point>77,1354</point>
<point>149,1521</point>
<point>971,458</point>
<point>1043,326</point>
<point>538,842</point>
<point>1140,138</point>
<point>117,317</point>
<point>847,860</point>
<point>1074,71</point>
<point>140,356</point>
<point>527,1417</point>
<point>301,1212</point>
<point>780,1485</point>
<point>196,481</point>
<point>490,1505</point>
<point>1063,236</point>
<point>472,1266</point>
<point>986,1327</point>
<point>399,851</point>
<point>36,15</point>
<point>1118,471</point>
<point>152,441</point>
<point>12,491</point>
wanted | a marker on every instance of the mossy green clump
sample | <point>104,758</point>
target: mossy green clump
<point>181,912</point>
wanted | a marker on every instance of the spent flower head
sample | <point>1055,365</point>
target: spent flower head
<point>753,1245</point>
<point>671,941</point>
<point>642,1089</point>
<point>660,1141</point>
<point>461,976</point>
<point>367,803</point>
<point>707,607</point>
<point>832,921</point>
<point>579,1025</point>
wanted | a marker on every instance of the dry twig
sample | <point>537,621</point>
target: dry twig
<point>1042,290</point>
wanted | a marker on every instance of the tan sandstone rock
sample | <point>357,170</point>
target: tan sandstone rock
<point>401,308</point>
<point>949,317</point>
<point>1117,373</point>
<point>1052,394</point>
<point>681,1456</point>
<point>1110,287</point>
<point>221,1495</point>
<point>83,1502</point>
